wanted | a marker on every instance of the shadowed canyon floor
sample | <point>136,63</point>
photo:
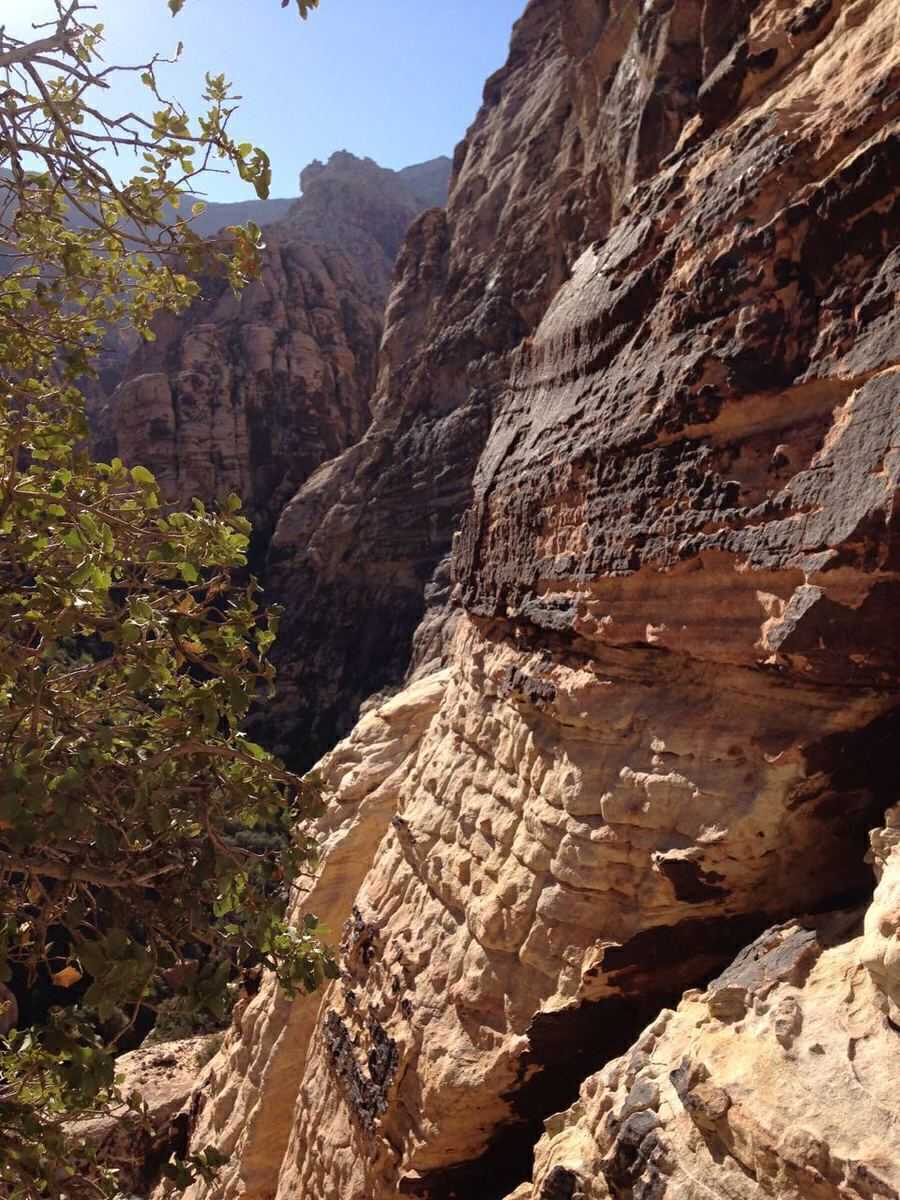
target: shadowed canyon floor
<point>619,513</point>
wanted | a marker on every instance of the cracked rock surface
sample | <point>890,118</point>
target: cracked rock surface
<point>781,1079</point>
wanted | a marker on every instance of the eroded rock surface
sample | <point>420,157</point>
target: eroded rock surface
<point>668,256</point>
<point>365,539</point>
<point>246,1104</point>
<point>648,360</point>
<point>250,393</point>
<point>880,950</point>
<point>781,1079</point>
<point>556,873</point>
<point>164,1075</point>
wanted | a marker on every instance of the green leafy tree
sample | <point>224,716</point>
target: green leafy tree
<point>129,654</point>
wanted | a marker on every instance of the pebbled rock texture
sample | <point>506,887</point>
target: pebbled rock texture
<point>555,874</point>
<point>781,1079</point>
<point>648,363</point>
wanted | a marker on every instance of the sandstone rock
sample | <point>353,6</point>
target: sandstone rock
<point>363,538</point>
<point>246,1105</point>
<point>652,350</point>
<point>524,930</point>
<point>641,300</point>
<point>165,1076</point>
<point>733,1108</point>
<point>880,949</point>
<point>251,393</point>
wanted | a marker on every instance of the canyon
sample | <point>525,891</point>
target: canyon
<point>580,496</point>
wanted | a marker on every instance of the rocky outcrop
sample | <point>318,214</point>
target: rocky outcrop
<point>647,363</point>
<point>137,1142</point>
<point>246,1103</point>
<point>501,937</point>
<point>780,1079</point>
<point>250,393</point>
<point>428,181</point>
<point>553,876</point>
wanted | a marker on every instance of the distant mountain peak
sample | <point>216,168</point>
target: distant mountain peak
<point>422,185</point>
<point>428,182</point>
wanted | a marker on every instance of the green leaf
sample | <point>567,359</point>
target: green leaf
<point>123,684</point>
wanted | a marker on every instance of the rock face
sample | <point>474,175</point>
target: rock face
<point>780,1079</point>
<point>646,365</point>
<point>246,1103</point>
<point>251,393</point>
<point>687,239</point>
<point>137,1147</point>
<point>367,538</point>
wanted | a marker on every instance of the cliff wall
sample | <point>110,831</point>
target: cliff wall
<point>645,368</point>
<point>251,393</point>
<point>780,1079</point>
<point>366,540</point>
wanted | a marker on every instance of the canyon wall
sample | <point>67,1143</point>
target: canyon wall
<point>250,393</point>
<point>366,540</point>
<point>626,516</point>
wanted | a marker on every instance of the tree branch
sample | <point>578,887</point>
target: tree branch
<point>28,51</point>
<point>72,874</point>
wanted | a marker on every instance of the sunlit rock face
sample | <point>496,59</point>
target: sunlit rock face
<point>645,368</point>
<point>245,1103</point>
<point>133,1145</point>
<point>780,1079</point>
<point>880,950</point>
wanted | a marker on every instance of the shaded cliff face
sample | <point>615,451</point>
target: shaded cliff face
<point>363,540</point>
<point>251,393</point>
<point>648,364</point>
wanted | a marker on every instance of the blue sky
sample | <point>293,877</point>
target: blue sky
<point>398,80</point>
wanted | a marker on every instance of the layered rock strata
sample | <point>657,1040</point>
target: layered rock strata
<point>250,393</point>
<point>366,540</point>
<point>780,1079</point>
<point>658,325</point>
<point>734,243</point>
<point>508,924</point>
